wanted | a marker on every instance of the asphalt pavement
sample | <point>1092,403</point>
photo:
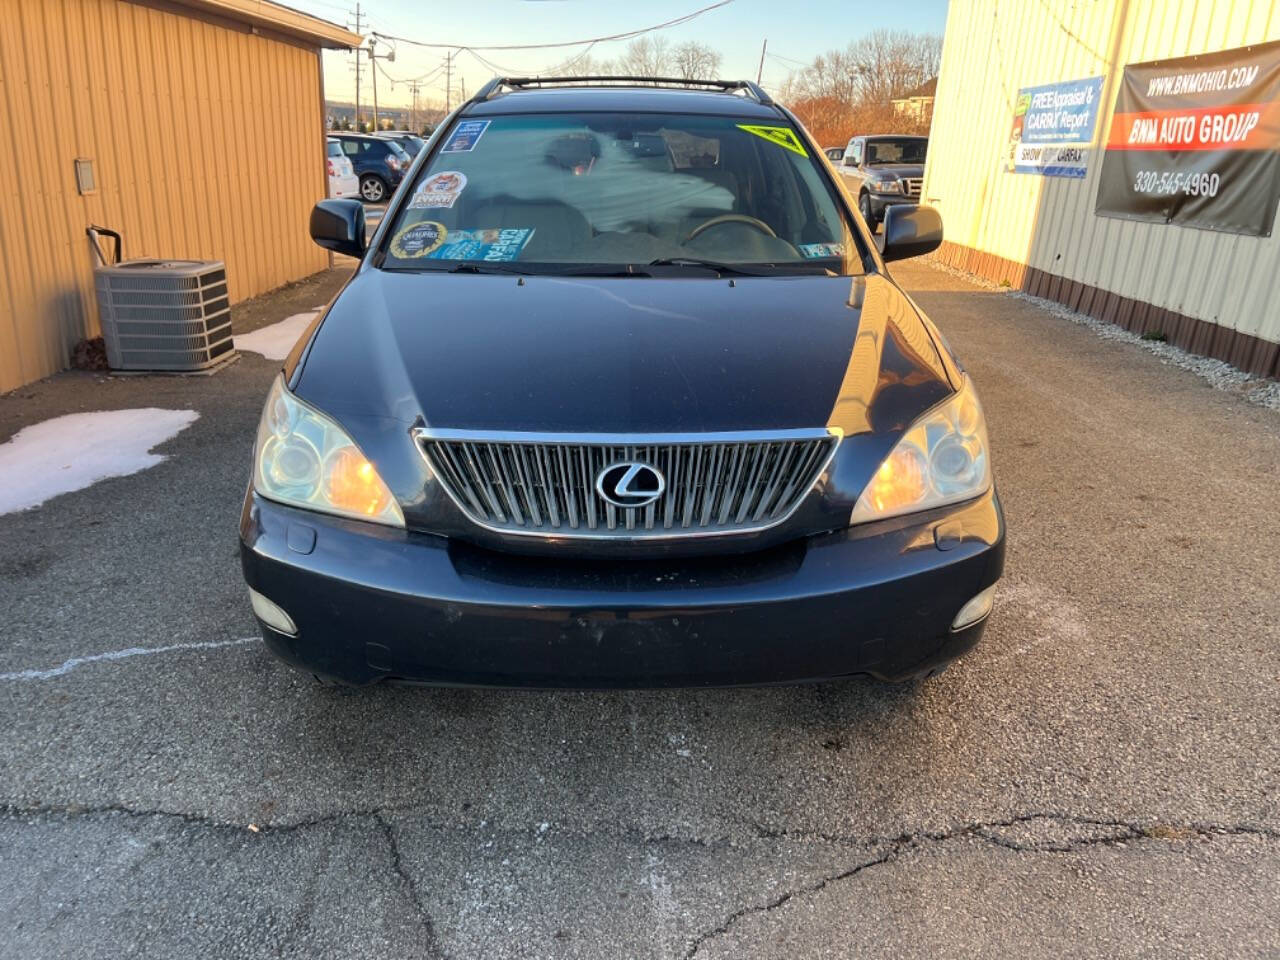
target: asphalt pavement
<point>1099,778</point>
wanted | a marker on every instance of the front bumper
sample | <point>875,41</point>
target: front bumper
<point>375,603</point>
<point>881,202</point>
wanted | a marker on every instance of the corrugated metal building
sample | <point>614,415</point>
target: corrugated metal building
<point>203,122</point>
<point>1213,293</point>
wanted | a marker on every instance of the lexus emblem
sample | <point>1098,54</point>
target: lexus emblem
<point>630,484</point>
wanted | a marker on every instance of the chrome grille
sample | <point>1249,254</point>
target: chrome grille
<point>545,485</point>
<point>911,186</point>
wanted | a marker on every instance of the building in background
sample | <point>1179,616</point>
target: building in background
<point>194,128</point>
<point>917,104</point>
<point>1158,216</point>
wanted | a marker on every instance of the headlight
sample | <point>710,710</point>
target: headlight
<point>943,458</point>
<point>886,186</point>
<point>304,459</point>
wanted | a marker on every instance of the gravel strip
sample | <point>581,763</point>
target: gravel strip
<point>1218,374</point>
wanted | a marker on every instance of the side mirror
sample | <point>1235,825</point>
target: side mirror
<point>338,225</point>
<point>910,231</point>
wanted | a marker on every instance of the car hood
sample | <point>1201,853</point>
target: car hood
<point>610,355</point>
<point>897,169</point>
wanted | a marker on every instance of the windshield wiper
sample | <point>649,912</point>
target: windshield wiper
<point>485,266</point>
<point>729,269</point>
<point>697,262</point>
<point>601,270</point>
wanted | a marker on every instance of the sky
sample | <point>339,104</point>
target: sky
<point>796,32</point>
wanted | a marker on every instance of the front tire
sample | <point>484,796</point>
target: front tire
<point>373,189</point>
<point>864,208</point>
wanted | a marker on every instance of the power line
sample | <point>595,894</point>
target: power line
<point>358,13</point>
<point>627,35</point>
<point>798,63</point>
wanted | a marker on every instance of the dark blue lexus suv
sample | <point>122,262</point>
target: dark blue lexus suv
<point>621,394</point>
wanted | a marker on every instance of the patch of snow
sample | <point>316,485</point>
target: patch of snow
<point>275,342</point>
<point>75,451</point>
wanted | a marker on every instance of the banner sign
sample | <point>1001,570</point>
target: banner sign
<point>1054,113</point>
<point>1196,142</point>
<point>1058,112</point>
<point>1072,161</point>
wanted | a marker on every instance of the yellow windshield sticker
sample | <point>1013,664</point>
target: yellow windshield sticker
<point>782,136</point>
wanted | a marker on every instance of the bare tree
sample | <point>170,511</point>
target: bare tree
<point>646,57</point>
<point>843,92</point>
<point>695,61</point>
<point>872,70</point>
<point>582,65</point>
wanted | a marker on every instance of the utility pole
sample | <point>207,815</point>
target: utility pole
<point>374,57</point>
<point>358,27</point>
<point>760,71</point>
<point>413,109</point>
<point>448,82</point>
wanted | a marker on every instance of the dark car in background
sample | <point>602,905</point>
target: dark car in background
<point>621,394</point>
<point>882,171</point>
<point>409,142</point>
<point>379,164</point>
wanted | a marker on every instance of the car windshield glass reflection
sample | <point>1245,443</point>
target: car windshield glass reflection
<point>896,151</point>
<point>626,191</point>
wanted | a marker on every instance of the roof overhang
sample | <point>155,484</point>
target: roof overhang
<point>280,19</point>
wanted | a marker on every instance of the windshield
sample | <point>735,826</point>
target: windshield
<point>399,151</point>
<point>906,150</point>
<point>335,148</point>
<point>621,191</point>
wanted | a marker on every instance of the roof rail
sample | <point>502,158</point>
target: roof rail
<point>497,84</point>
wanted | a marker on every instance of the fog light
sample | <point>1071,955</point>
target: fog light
<point>975,609</point>
<point>272,615</point>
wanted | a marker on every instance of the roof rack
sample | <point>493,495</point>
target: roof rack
<point>498,84</point>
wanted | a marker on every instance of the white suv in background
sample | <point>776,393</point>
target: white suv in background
<point>343,181</point>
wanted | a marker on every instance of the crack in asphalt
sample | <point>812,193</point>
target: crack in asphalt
<point>1122,832</point>
<point>411,888</point>
<point>10,811</point>
<point>377,815</point>
<point>697,943</point>
<point>1132,830</point>
<point>1116,833</point>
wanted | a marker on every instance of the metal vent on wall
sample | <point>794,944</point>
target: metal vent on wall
<point>164,314</point>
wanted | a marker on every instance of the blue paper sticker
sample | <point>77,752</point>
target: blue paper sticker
<point>815,250</point>
<point>492,245</point>
<point>465,136</point>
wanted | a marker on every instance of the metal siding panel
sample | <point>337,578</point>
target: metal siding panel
<point>994,47</point>
<point>198,133</point>
<point>12,274</point>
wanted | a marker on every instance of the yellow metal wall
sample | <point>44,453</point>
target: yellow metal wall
<point>206,140</point>
<point>994,47</point>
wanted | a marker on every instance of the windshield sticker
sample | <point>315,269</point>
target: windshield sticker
<point>439,190</point>
<point>812,251</point>
<point>419,240</point>
<point>492,245</point>
<point>781,136</point>
<point>465,136</point>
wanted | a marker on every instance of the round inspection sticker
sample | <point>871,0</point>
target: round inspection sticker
<point>439,190</point>
<point>418,240</point>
